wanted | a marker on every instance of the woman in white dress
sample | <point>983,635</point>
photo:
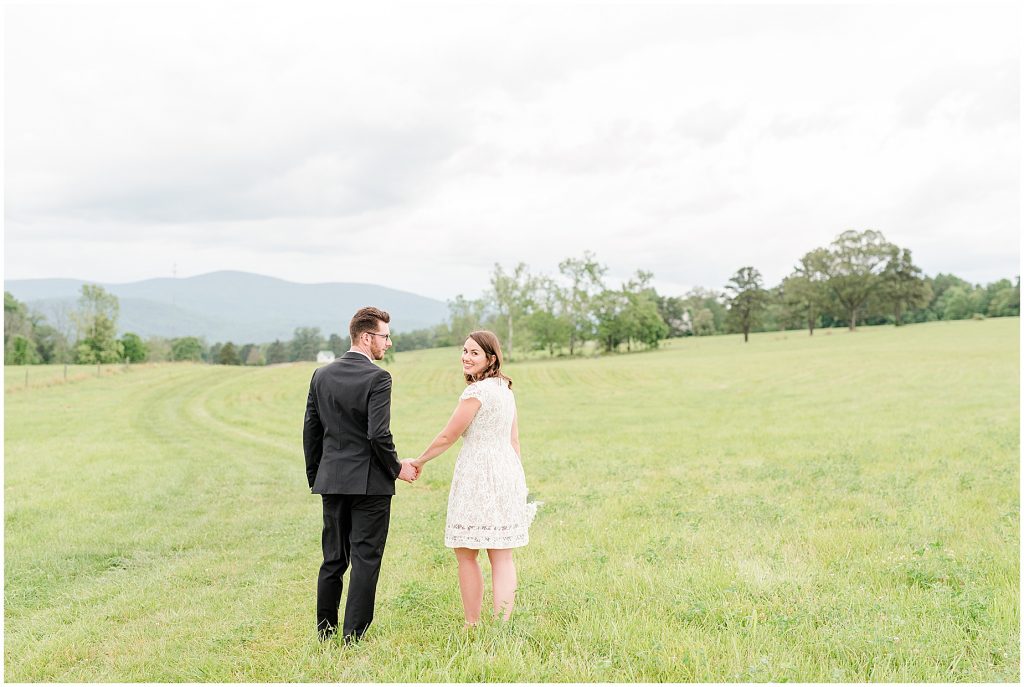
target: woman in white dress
<point>487,506</point>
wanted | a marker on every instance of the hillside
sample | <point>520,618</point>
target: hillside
<point>237,306</point>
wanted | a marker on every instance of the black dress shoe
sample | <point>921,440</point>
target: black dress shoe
<point>325,629</point>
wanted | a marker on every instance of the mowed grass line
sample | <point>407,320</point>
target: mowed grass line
<point>836,508</point>
<point>22,377</point>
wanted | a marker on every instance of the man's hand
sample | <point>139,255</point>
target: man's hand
<point>410,473</point>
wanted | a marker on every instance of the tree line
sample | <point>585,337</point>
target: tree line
<point>860,278</point>
<point>87,335</point>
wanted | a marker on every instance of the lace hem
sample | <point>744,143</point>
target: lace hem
<point>511,541</point>
<point>491,536</point>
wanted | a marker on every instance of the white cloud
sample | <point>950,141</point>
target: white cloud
<point>417,145</point>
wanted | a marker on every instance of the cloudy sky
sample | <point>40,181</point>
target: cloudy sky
<point>416,145</point>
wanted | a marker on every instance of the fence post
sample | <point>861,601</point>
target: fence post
<point>26,376</point>
<point>65,371</point>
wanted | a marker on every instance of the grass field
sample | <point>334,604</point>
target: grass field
<point>836,508</point>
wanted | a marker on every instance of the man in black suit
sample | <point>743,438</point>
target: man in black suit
<point>351,461</point>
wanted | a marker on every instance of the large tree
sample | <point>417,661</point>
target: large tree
<point>187,348</point>
<point>673,311</point>
<point>335,344</point>
<point>642,321</point>
<point>306,343</point>
<point>512,297</point>
<point>585,279</point>
<point>630,314</point>
<point>29,338</point>
<point>253,357</point>
<point>135,350</point>
<point>19,344</point>
<point>698,299</point>
<point>23,351</point>
<point>933,310</point>
<point>158,349</point>
<point>1004,298</point>
<point>277,353</point>
<point>703,323</point>
<point>962,302</point>
<point>60,315</point>
<point>465,316</point>
<point>549,324</point>
<point>805,291</point>
<point>746,299</point>
<point>854,265</point>
<point>52,346</point>
<point>608,308</point>
<point>96,321</point>
<point>228,355</point>
<point>903,287</point>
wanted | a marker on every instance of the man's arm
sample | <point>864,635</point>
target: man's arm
<point>378,415</point>
<point>312,437</point>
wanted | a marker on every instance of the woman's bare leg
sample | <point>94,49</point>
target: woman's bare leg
<point>503,580</point>
<point>471,584</point>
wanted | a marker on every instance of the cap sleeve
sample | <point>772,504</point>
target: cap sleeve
<point>474,390</point>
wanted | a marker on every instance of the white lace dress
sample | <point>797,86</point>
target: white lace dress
<point>487,506</point>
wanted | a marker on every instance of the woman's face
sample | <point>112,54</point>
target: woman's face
<point>474,360</point>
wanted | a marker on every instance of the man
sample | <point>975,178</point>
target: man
<point>351,461</point>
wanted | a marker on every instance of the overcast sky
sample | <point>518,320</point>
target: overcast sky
<point>415,145</point>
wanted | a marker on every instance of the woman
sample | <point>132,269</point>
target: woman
<point>487,506</point>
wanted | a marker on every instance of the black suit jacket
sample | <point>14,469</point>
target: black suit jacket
<point>346,435</point>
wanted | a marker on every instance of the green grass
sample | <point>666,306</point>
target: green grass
<point>836,508</point>
<point>19,378</point>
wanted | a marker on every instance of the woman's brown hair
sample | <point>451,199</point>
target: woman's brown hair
<point>491,347</point>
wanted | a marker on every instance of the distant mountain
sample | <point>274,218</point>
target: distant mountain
<point>237,306</point>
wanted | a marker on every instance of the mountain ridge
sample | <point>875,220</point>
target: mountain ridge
<point>230,305</point>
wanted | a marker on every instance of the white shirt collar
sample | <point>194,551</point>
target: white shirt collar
<point>356,350</point>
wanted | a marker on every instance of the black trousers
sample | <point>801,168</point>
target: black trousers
<point>355,529</point>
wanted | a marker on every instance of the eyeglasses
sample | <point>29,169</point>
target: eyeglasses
<point>386,336</point>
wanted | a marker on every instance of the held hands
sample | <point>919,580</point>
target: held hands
<point>410,472</point>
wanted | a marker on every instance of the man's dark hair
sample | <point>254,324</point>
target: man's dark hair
<point>365,320</point>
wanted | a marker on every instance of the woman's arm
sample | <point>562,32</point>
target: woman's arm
<point>457,424</point>
<point>515,435</point>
